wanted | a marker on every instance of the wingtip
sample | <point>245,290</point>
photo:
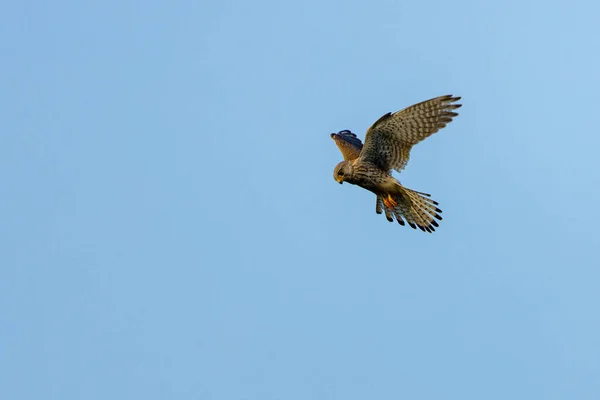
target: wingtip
<point>450,98</point>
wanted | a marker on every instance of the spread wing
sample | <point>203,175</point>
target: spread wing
<point>348,143</point>
<point>389,140</point>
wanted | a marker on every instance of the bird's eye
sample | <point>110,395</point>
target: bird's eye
<point>341,173</point>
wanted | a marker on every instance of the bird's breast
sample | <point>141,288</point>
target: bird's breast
<point>372,179</point>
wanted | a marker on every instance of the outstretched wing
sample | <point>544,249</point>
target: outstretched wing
<point>348,143</point>
<point>389,140</point>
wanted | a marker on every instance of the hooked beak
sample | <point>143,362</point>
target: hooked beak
<point>339,180</point>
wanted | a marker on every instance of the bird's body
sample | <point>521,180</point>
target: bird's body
<point>367,176</point>
<point>387,147</point>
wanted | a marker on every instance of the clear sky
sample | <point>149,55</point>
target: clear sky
<point>170,226</point>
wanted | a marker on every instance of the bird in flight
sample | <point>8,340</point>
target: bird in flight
<point>387,147</point>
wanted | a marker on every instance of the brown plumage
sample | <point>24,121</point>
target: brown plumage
<point>387,147</point>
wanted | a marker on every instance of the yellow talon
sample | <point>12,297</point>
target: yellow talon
<point>390,202</point>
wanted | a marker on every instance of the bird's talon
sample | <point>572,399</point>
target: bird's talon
<point>390,202</point>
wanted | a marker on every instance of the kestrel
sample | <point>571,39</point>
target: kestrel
<point>387,147</point>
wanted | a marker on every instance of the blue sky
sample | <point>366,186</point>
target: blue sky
<point>171,227</point>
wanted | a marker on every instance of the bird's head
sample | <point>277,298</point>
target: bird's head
<point>342,171</point>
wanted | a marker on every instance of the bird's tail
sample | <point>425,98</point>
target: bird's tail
<point>417,208</point>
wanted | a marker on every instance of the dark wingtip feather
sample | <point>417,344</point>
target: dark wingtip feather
<point>451,97</point>
<point>434,223</point>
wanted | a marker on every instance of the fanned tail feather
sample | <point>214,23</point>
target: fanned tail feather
<point>417,208</point>
<point>380,207</point>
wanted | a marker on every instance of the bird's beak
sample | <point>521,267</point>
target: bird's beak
<point>339,180</point>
